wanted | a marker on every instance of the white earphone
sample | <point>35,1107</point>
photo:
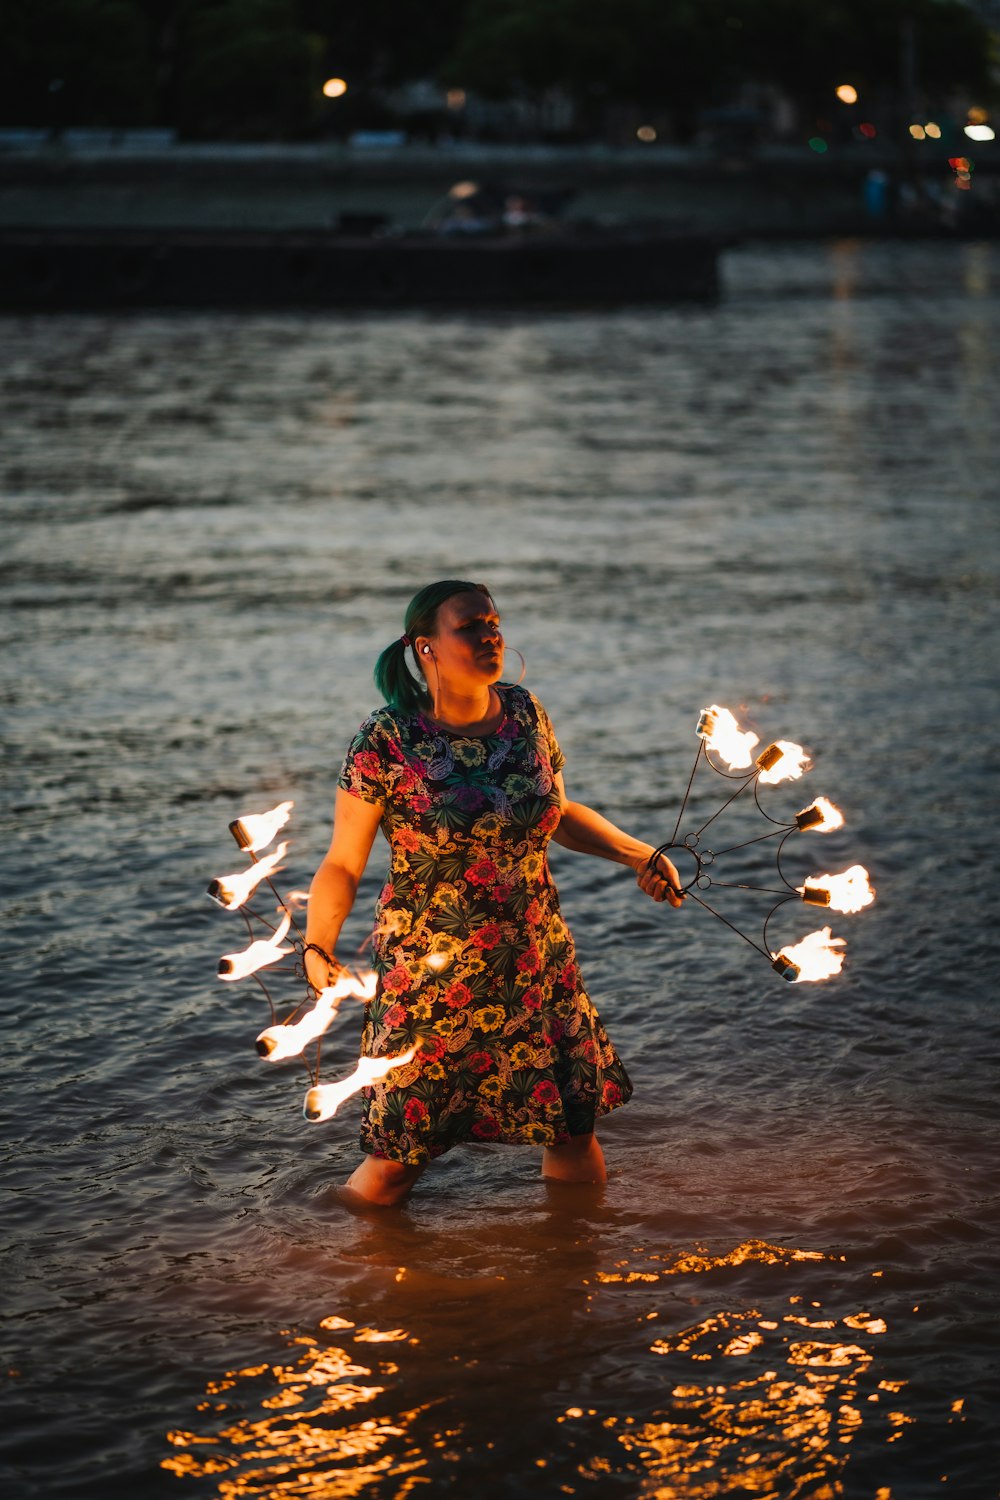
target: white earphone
<point>426,650</point>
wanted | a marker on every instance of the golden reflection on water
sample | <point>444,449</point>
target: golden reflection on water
<point>783,1432</point>
<point>305,1447</point>
<point>755,1401</point>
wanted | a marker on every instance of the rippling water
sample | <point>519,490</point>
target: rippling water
<point>786,503</point>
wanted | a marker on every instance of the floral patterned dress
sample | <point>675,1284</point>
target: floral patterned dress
<point>475,962</point>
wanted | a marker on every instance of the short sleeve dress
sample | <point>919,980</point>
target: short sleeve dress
<point>474,961</point>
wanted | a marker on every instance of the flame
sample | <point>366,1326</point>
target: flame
<point>264,951</point>
<point>232,890</point>
<point>362,986</point>
<point>287,1040</point>
<point>256,830</point>
<point>722,734</point>
<point>788,765</point>
<point>279,1042</point>
<point>848,892</point>
<point>829,818</point>
<point>324,1099</point>
<point>816,957</point>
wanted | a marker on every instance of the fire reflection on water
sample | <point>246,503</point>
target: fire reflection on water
<point>759,1401</point>
<point>301,1443</point>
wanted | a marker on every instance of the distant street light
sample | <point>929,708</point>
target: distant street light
<point>334,88</point>
<point>980,132</point>
<point>847,93</point>
<point>646,133</point>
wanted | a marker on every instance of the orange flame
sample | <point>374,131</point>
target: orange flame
<point>724,736</point>
<point>788,765</point>
<point>287,1040</point>
<point>817,956</point>
<point>829,818</point>
<point>256,830</point>
<point>279,1042</point>
<point>848,892</point>
<point>324,1099</point>
<point>232,890</point>
<point>264,951</point>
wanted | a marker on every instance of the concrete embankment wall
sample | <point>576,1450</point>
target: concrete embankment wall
<point>777,191</point>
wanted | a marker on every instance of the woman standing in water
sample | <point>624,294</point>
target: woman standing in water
<point>464,776</point>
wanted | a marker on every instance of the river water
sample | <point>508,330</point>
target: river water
<point>785,503</point>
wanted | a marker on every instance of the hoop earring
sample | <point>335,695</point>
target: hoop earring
<point>432,688</point>
<point>524,665</point>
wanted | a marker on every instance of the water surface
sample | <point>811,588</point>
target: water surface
<point>785,503</point>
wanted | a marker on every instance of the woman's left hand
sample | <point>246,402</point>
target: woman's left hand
<point>658,877</point>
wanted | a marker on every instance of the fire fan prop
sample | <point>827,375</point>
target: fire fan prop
<point>305,1023</point>
<point>819,955</point>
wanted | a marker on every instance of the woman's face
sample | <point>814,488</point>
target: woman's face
<point>467,647</point>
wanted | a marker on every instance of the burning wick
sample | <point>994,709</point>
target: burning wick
<point>723,735</point>
<point>781,761</point>
<point>847,893</point>
<point>256,830</point>
<point>264,951</point>
<point>820,816</point>
<point>816,957</point>
<point>279,1042</point>
<point>232,890</point>
<point>324,1099</point>
<point>285,1040</point>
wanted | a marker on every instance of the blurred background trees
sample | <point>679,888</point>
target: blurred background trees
<point>254,69</point>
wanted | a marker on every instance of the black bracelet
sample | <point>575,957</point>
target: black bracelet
<point>315,948</point>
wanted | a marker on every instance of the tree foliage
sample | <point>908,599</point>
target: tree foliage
<point>254,67</point>
<point>676,54</point>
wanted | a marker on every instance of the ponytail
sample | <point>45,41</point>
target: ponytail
<point>396,682</point>
<point>393,678</point>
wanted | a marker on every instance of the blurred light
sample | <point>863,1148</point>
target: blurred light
<point>933,130</point>
<point>917,132</point>
<point>818,144</point>
<point>646,133</point>
<point>980,132</point>
<point>978,117</point>
<point>847,93</point>
<point>463,190</point>
<point>456,98</point>
<point>868,130</point>
<point>334,88</point>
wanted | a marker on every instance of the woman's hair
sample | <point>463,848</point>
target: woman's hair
<point>393,678</point>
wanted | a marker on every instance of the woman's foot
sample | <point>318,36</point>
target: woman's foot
<point>580,1159</point>
<point>382,1182</point>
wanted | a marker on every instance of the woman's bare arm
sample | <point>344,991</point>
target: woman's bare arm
<point>335,884</point>
<point>588,832</point>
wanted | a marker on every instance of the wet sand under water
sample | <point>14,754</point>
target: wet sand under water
<point>786,504</point>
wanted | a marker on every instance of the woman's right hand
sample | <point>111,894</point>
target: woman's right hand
<point>657,876</point>
<point>321,969</point>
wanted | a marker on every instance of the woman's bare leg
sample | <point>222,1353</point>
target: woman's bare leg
<point>381,1181</point>
<point>580,1159</point>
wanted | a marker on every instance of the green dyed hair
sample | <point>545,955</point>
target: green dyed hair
<point>393,678</point>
